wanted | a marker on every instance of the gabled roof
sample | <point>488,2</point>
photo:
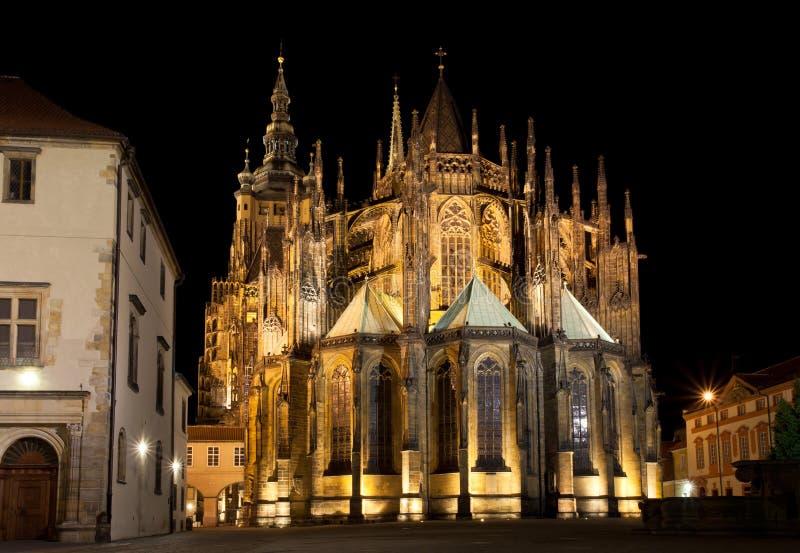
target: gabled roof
<point>369,312</point>
<point>577,322</point>
<point>216,433</point>
<point>26,112</point>
<point>476,305</point>
<point>771,376</point>
<point>442,118</point>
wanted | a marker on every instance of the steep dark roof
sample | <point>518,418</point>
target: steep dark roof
<point>24,111</point>
<point>442,118</point>
<point>215,433</point>
<point>774,375</point>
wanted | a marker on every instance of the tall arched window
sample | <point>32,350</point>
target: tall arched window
<point>456,251</point>
<point>159,467</point>
<point>580,423</point>
<point>133,353</point>
<point>341,435</point>
<point>122,456</point>
<point>490,414</point>
<point>380,421</point>
<point>447,423</point>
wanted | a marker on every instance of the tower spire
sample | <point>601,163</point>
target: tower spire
<point>396,145</point>
<point>340,181</point>
<point>530,152</point>
<point>628,216</point>
<point>441,53</point>
<point>576,192</point>
<point>279,140</point>
<point>549,179</point>
<point>503,147</point>
<point>475,149</point>
<point>246,176</point>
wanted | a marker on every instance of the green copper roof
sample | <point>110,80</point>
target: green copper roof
<point>476,305</point>
<point>577,322</point>
<point>369,312</point>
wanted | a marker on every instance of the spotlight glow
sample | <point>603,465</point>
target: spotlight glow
<point>708,395</point>
<point>29,378</point>
<point>176,466</point>
<point>142,447</point>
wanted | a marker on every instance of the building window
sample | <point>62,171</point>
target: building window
<point>726,450</point>
<point>763,448</point>
<point>776,399</point>
<point>683,464</point>
<point>238,456</point>
<point>341,402</point>
<point>129,214</point>
<point>456,251</point>
<point>19,180</point>
<point>723,415</point>
<point>744,447</point>
<point>490,414</point>
<point>143,237</point>
<point>183,415</point>
<point>133,353</point>
<point>710,419</point>
<point>160,383</point>
<point>712,454</point>
<point>162,281</point>
<point>580,423</point>
<point>447,418</point>
<point>698,423</point>
<point>213,456</point>
<point>381,452</point>
<point>741,410</point>
<point>159,467</point>
<point>701,460</point>
<point>761,403</point>
<point>122,456</point>
<point>189,456</point>
<point>20,325</point>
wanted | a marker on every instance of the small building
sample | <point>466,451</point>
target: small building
<point>87,315</point>
<point>182,392</point>
<point>215,462</point>
<point>735,425</point>
<point>674,468</point>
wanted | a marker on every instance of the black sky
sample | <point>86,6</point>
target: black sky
<point>686,107</point>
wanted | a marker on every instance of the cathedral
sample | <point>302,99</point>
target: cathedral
<point>455,347</point>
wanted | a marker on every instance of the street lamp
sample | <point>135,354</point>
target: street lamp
<point>708,397</point>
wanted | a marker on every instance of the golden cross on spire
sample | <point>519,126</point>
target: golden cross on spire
<point>441,53</point>
<point>395,78</point>
<point>280,55</point>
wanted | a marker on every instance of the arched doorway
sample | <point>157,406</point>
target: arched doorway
<point>229,504</point>
<point>28,485</point>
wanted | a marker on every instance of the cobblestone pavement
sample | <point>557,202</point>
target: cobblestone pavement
<point>529,535</point>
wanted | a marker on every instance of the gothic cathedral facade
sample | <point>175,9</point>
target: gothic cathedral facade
<point>455,347</point>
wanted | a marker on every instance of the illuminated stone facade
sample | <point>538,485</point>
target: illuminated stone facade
<point>455,347</point>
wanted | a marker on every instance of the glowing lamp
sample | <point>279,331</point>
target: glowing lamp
<point>708,396</point>
<point>142,447</point>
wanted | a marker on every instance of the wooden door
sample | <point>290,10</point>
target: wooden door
<point>28,503</point>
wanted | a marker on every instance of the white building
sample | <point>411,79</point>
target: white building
<point>87,317</point>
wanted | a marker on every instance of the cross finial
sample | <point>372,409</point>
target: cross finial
<point>395,78</point>
<point>247,152</point>
<point>441,53</point>
<point>280,55</point>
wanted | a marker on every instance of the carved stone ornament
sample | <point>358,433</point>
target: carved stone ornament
<point>308,292</point>
<point>539,274</point>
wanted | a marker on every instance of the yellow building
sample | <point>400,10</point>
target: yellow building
<point>215,461</point>
<point>734,425</point>
<point>457,346</point>
<point>675,467</point>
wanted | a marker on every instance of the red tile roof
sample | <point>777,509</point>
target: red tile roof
<point>785,371</point>
<point>26,112</point>
<point>216,433</point>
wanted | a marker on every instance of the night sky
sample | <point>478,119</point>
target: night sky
<point>684,106</point>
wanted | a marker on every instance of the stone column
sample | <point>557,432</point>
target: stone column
<point>566,489</point>
<point>282,506</point>
<point>356,507</point>
<point>73,473</point>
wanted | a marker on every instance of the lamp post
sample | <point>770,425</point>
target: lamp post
<point>708,397</point>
